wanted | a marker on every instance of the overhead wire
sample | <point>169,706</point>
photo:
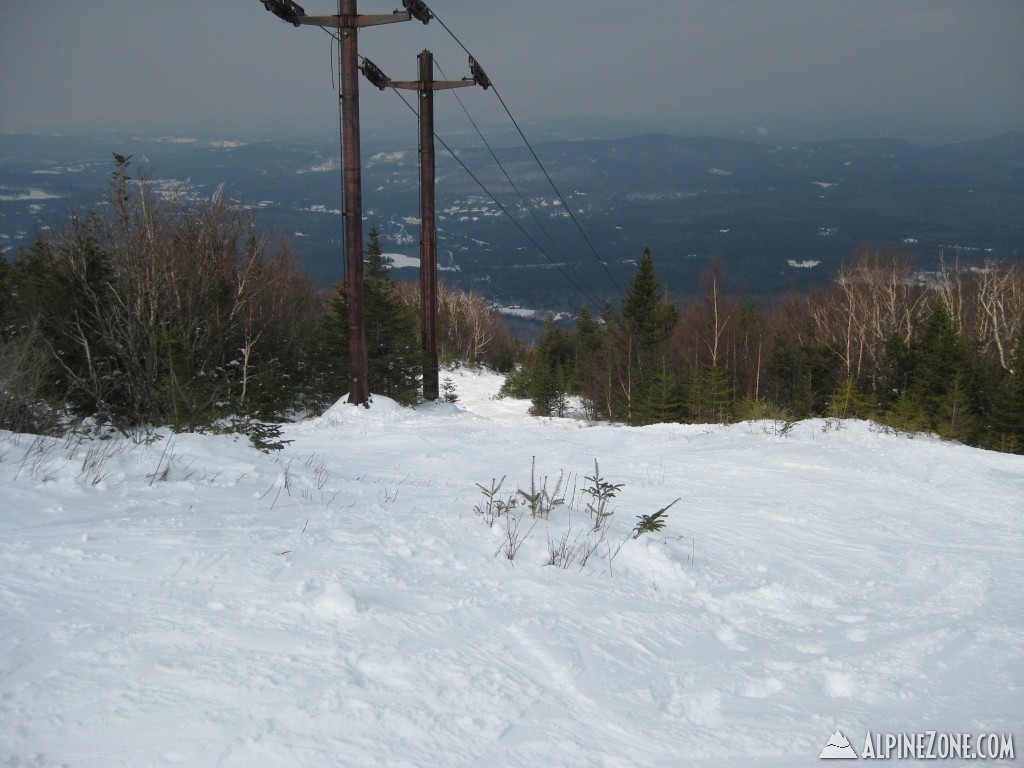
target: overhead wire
<point>498,162</point>
<point>337,38</point>
<point>568,209</point>
<point>586,294</point>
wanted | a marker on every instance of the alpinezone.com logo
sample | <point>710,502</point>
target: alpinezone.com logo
<point>926,745</point>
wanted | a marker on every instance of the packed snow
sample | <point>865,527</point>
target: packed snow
<point>188,600</point>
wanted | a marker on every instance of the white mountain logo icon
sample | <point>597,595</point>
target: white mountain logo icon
<point>838,748</point>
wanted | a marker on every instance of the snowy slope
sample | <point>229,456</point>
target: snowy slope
<point>194,602</point>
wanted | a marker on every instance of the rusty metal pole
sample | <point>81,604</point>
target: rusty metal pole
<point>428,230</point>
<point>352,203</point>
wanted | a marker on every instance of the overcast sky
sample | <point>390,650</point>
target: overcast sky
<point>919,69</point>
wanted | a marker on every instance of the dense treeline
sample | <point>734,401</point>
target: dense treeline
<point>155,310</point>
<point>942,352</point>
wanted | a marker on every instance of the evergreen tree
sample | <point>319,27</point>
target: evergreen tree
<point>936,356</point>
<point>848,402</point>
<point>550,368</point>
<point>895,371</point>
<point>664,401</point>
<point>905,414</point>
<point>6,299</point>
<point>646,325</point>
<point>1008,406</point>
<point>781,377</point>
<point>934,381</point>
<point>610,383</point>
<point>711,396</point>
<point>646,314</point>
<point>801,379</point>
<point>591,378</point>
<point>587,344</point>
<point>25,363</point>
<point>395,360</point>
<point>956,414</point>
<point>328,378</point>
<point>945,376</point>
<point>66,284</point>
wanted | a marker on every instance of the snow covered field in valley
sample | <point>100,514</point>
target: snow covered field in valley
<point>192,601</point>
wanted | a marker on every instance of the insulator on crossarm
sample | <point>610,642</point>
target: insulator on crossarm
<point>288,10</point>
<point>478,74</point>
<point>418,10</point>
<point>372,73</point>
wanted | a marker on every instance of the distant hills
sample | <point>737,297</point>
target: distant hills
<point>776,215</point>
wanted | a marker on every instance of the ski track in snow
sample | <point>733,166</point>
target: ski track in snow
<point>194,602</point>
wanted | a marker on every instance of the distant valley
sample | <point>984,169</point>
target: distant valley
<point>777,216</point>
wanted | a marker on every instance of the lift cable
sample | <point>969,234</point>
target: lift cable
<point>522,198</point>
<point>586,294</point>
<point>568,209</point>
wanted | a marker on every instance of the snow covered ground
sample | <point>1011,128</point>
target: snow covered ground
<point>195,602</point>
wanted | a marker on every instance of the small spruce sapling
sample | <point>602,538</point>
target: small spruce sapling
<point>601,493</point>
<point>448,392</point>
<point>265,437</point>
<point>493,506</point>
<point>541,501</point>
<point>652,523</point>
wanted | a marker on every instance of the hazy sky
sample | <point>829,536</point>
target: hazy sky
<point>920,69</point>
